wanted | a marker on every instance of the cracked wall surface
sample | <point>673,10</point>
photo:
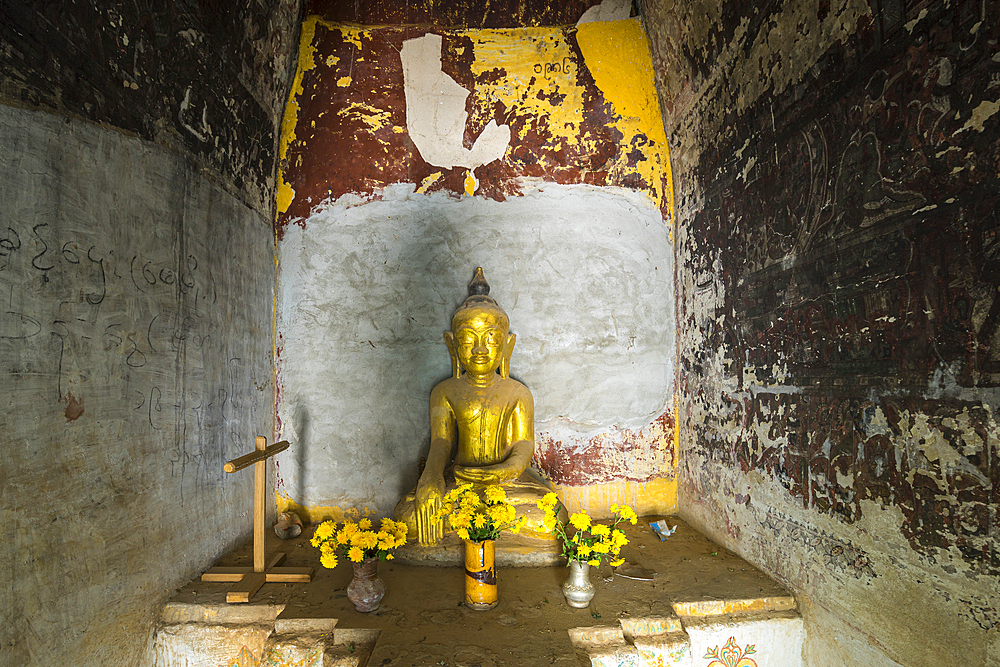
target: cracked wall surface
<point>836,177</point>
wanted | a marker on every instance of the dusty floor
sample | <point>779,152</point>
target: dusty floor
<point>423,622</point>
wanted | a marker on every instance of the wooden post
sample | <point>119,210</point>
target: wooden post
<point>249,580</point>
<point>259,482</point>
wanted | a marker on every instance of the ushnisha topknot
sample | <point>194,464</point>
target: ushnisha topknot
<point>479,292</point>
<point>479,299</point>
<point>479,286</point>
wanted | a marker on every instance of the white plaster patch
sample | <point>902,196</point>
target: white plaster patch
<point>435,111</point>
<point>980,114</point>
<point>366,292</point>
<point>609,10</point>
<point>910,25</point>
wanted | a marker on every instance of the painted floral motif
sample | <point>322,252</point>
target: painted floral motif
<point>245,659</point>
<point>731,655</point>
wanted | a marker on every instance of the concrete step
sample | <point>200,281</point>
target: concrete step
<point>771,637</point>
<point>254,636</point>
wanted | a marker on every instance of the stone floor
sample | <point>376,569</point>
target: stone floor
<point>422,622</point>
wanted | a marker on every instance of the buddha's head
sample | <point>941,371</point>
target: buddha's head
<point>479,340</point>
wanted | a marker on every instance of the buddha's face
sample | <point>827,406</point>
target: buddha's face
<point>480,334</point>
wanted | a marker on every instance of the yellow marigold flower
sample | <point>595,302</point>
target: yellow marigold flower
<point>516,528</point>
<point>356,554</point>
<point>498,514</point>
<point>600,530</point>
<point>470,499</point>
<point>350,528</point>
<point>615,508</point>
<point>583,550</point>
<point>327,548</point>
<point>550,499</point>
<point>479,521</point>
<point>389,556</point>
<point>369,540</point>
<point>618,538</point>
<point>365,524</point>
<point>596,562</point>
<point>343,537</point>
<point>325,530</point>
<point>328,560</point>
<point>549,523</point>
<point>580,520</point>
<point>576,538</point>
<point>459,521</point>
<point>629,514</point>
<point>495,494</point>
<point>383,535</point>
<point>602,547</point>
<point>463,533</point>
<point>616,563</point>
<point>387,544</point>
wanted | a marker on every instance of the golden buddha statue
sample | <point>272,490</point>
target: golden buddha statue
<point>488,415</point>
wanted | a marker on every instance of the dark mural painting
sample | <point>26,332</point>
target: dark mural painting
<point>860,266</point>
<point>452,13</point>
<point>210,78</point>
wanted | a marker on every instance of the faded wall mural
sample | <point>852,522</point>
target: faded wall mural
<point>838,301</point>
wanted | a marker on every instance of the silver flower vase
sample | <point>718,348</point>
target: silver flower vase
<point>366,590</point>
<point>578,589</point>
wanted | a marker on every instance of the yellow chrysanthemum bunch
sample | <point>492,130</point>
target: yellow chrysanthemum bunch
<point>591,541</point>
<point>478,518</point>
<point>357,541</point>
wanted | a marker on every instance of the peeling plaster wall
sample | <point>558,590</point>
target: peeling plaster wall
<point>409,157</point>
<point>836,173</point>
<point>135,333</point>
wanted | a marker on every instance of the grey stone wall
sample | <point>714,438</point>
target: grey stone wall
<point>135,352</point>
<point>137,145</point>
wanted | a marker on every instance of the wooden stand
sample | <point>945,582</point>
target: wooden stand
<point>250,579</point>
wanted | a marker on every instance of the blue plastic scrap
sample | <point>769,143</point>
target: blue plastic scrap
<point>660,528</point>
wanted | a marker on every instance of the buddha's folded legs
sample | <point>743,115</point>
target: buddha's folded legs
<point>524,493</point>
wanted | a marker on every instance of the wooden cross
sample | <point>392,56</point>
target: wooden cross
<point>250,579</point>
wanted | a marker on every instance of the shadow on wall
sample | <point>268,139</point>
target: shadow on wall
<point>302,420</point>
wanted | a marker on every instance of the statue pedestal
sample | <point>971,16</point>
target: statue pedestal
<point>511,551</point>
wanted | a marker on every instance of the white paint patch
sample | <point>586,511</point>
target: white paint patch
<point>435,111</point>
<point>913,24</point>
<point>980,114</point>
<point>609,10</point>
<point>366,292</point>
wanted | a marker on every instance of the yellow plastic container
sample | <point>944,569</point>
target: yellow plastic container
<point>480,575</point>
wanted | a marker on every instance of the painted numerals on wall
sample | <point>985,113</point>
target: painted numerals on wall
<point>553,69</point>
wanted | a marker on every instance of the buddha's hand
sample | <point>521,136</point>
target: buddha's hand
<point>429,494</point>
<point>498,473</point>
